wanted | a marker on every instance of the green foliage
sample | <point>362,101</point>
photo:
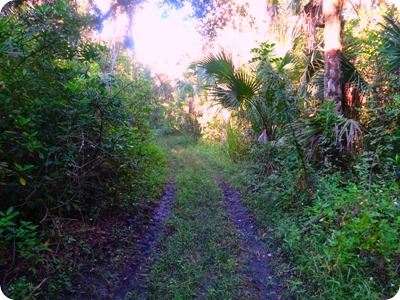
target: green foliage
<point>20,289</point>
<point>176,110</point>
<point>150,177</point>
<point>21,244</point>
<point>218,67</point>
<point>261,95</point>
<point>353,233</point>
<point>339,230</point>
<point>231,88</point>
<point>383,138</point>
<point>362,229</point>
<point>391,39</point>
<point>276,105</point>
<point>351,75</point>
<point>328,134</point>
<point>213,130</point>
<point>381,113</point>
<point>72,135</point>
<point>181,117</point>
<point>341,235</point>
<point>75,140</point>
<point>236,143</point>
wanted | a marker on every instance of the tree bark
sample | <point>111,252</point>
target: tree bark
<point>313,18</point>
<point>333,82</point>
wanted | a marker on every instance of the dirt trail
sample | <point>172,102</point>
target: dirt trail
<point>130,278</point>
<point>136,275</point>
<point>111,281</point>
<point>258,269</point>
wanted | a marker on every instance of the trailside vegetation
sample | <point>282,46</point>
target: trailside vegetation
<point>321,178</point>
<point>75,142</point>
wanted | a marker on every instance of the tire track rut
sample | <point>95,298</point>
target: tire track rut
<point>264,283</point>
<point>110,280</point>
<point>136,276</point>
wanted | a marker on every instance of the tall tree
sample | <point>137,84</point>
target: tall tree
<point>333,78</point>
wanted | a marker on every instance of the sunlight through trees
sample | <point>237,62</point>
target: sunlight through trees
<point>295,103</point>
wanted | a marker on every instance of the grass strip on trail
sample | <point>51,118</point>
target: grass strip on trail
<point>201,256</point>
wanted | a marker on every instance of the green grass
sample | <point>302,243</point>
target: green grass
<point>337,240</point>
<point>200,256</point>
<point>334,241</point>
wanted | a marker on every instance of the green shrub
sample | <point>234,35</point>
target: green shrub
<point>338,232</point>
<point>236,142</point>
<point>362,226</point>
<point>75,140</point>
<point>352,233</point>
<point>21,244</point>
<point>71,131</point>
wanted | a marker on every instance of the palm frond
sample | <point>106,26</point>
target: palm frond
<point>391,46</point>
<point>229,87</point>
<point>314,65</point>
<point>217,66</point>
<point>263,115</point>
<point>350,75</point>
<point>349,132</point>
<point>329,127</point>
<point>316,86</point>
<point>244,85</point>
<point>225,97</point>
<point>308,132</point>
<point>236,93</point>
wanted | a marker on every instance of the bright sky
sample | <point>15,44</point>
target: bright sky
<point>169,44</point>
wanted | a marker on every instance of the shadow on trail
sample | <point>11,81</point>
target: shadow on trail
<point>129,280</point>
<point>264,283</point>
<point>136,276</point>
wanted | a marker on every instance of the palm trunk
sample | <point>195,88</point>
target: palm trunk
<point>333,83</point>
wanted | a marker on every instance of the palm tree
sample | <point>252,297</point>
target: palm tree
<point>333,81</point>
<point>253,93</point>
<point>232,88</point>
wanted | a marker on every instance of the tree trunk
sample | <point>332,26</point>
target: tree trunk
<point>313,18</point>
<point>333,82</point>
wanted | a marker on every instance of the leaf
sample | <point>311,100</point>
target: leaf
<point>23,121</point>
<point>22,181</point>
<point>25,168</point>
<point>9,210</point>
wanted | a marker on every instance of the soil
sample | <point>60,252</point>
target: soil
<point>119,272</point>
<point>263,282</point>
<point>146,245</point>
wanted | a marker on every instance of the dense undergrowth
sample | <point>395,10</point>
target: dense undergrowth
<point>337,237</point>
<point>75,145</point>
<point>340,233</point>
<point>323,181</point>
